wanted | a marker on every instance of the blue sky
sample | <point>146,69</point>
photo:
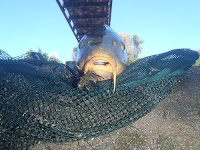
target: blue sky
<point>163,25</point>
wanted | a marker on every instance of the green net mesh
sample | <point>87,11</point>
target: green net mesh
<point>39,99</point>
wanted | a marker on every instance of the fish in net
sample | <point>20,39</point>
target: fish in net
<point>39,99</point>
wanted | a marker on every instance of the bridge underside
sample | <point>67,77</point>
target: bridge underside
<point>83,15</point>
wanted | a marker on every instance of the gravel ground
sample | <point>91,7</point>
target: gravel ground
<point>173,125</point>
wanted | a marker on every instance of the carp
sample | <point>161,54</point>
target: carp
<point>101,55</point>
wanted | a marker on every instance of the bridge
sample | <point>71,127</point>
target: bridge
<point>83,15</point>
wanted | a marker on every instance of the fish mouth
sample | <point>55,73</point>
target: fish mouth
<point>104,67</point>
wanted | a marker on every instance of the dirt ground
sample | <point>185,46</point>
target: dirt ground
<point>173,125</point>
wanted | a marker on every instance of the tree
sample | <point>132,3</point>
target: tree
<point>74,53</point>
<point>198,60</point>
<point>133,45</point>
<point>44,56</point>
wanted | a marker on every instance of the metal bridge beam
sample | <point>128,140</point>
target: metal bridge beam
<point>83,16</point>
<point>66,17</point>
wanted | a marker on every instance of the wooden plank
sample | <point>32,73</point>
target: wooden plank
<point>74,4</point>
<point>87,16</point>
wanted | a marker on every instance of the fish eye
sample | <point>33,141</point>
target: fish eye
<point>89,42</point>
<point>103,28</point>
<point>122,47</point>
<point>114,43</point>
<point>81,45</point>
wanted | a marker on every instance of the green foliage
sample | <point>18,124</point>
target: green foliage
<point>44,55</point>
<point>74,53</point>
<point>137,42</point>
<point>131,58</point>
<point>198,60</point>
<point>133,45</point>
